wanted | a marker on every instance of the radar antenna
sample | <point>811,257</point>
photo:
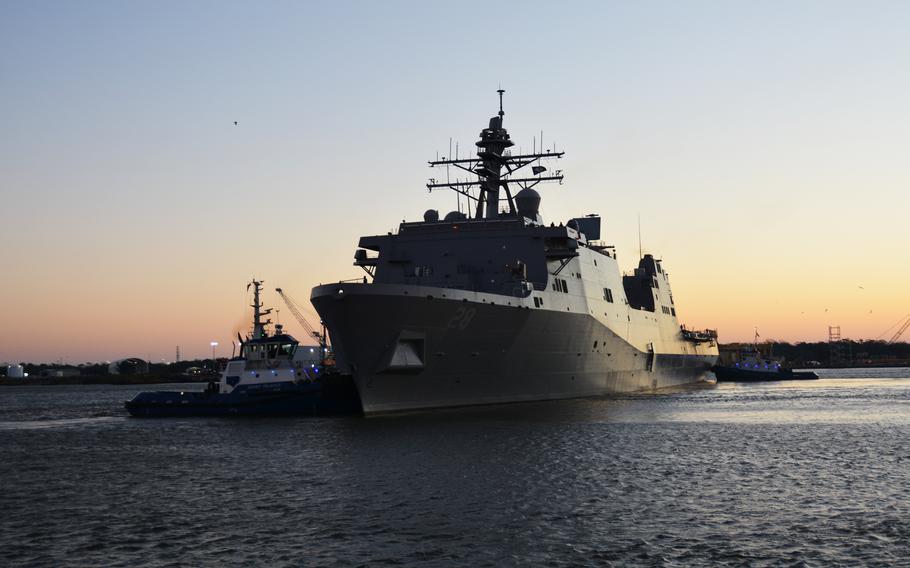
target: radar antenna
<point>492,157</point>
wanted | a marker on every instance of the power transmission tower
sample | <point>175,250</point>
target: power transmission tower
<point>836,347</point>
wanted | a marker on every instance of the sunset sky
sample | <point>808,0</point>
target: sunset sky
<point>764,144</point>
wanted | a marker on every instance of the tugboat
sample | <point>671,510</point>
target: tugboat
<point>753,366</point>
<point>263,380</point>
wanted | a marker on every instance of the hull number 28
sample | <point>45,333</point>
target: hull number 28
<point>462,318</point>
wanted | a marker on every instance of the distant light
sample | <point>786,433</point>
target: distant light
<point>214,344</point>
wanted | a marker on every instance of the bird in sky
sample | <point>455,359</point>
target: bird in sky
<point>858,286</point>
<point>235,123</point>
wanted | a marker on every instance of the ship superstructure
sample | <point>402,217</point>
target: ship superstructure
<point>494,305</point>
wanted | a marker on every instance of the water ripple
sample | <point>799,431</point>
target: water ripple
<point>773,475</point>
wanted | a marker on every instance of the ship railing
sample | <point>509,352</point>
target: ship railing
<point>522,290</point>
<point>698,336</point>
<point>602,248</point>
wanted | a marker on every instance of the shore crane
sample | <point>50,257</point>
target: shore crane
<point>295,307</point>
<point>900,331</point>
<point>902,325</point>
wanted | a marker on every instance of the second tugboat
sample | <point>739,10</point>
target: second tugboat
<point>752,366</point>
<point>264,380</point>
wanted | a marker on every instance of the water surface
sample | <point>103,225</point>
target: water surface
<point>800,473</point>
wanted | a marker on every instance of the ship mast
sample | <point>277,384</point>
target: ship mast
<point>492,157</point>
<point>258,312</point>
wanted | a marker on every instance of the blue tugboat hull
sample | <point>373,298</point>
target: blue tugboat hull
<point>337,395</point>
<point>746,375</point>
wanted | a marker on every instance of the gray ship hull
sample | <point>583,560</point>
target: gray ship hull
<point>439,349</point>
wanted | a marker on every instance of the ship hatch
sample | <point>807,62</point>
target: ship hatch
<point>406,356</point>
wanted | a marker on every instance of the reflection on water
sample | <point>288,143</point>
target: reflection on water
<point>32,424</point>
<point>802,473</point>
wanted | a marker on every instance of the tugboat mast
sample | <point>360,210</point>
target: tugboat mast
<point>492,157</point>
<point>258,312</point>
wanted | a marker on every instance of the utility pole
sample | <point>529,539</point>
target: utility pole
<point>214,363</point>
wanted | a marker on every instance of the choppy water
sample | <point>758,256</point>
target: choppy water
<point>795,474</point>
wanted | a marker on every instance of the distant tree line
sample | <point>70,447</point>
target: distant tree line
<point>838,354</point>
<point>98,369</point>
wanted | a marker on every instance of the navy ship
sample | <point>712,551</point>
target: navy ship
<point>495,305</point>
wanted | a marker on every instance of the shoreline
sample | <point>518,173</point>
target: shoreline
<point>103,380</point>
<point>155,379</point>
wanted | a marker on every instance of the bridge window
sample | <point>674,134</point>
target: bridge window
<point>608,295</point>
